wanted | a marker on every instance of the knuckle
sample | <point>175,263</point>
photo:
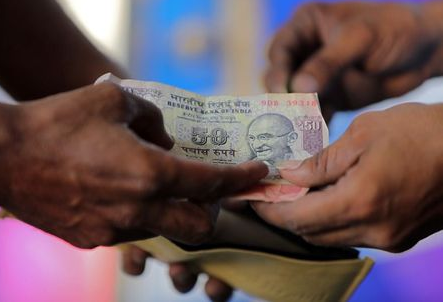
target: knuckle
<point>83,243</point>
<point>111,91</point>
<point>362,31</point>
<point>147,178</point>
<point>309,8</point>
<point>148,184</point>
<point>322,65</point>
<point>278,49</point>
<point>364,120</point>
<point>203,230</point>
<point>321,161</point>
<point>112,98</point>
<point>360,128</point>
<point>357,125</point>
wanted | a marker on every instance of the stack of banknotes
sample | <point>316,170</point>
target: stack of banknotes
<point>245,252</point>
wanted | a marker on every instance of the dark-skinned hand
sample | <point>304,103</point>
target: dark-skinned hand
<point>356,53</point>
<point>182,275</point>
<point>90,166</point>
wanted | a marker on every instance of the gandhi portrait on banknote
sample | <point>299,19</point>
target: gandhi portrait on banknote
<point>270,137</point>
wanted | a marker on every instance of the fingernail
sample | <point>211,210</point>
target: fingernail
<point>289,164</point>
<point>305,83</point>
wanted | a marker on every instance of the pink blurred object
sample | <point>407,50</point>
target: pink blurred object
<point>38,267</point>
<point>272,192</point>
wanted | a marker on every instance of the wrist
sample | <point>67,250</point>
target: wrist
<point>8,118</point>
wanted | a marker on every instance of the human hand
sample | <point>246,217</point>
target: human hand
<point>384,183</point>
<point>182,276</point>
<point>88,166</point>
<point>356,53</point>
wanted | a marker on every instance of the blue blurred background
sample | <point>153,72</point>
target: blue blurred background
<point>210,47</point>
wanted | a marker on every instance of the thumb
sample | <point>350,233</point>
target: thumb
<point>324,168</point>
<point>146,120</point>
<point>347,47</point>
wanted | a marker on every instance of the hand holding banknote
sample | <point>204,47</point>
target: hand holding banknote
<point>384,183</point>
<point>91,167</point>
<point>230,130</point>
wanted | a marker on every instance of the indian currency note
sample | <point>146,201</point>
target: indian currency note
<point>229,130</point>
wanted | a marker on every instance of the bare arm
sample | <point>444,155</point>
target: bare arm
<point>42,52</point>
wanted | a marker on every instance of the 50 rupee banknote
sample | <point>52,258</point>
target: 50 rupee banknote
<point>229,130</point>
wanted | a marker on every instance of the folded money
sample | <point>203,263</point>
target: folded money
<point>267,263</point>
<point>229,130</point>
<point>272,192</point>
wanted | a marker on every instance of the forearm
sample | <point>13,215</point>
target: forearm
<point>8,114</point>
<point>42,52</point>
